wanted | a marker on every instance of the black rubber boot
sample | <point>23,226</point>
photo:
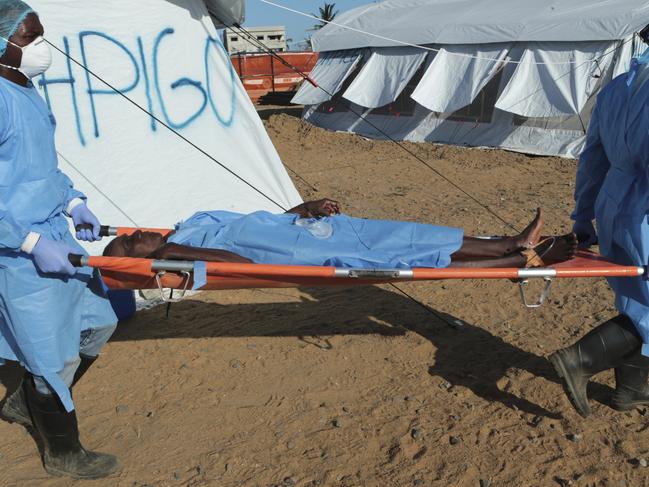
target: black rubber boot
<point>63,454</point>
<point>603,348</point>
<point>631,388</point>
<point>15,407</point>
<point>84,365</point>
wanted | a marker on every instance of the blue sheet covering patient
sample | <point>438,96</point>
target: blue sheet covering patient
<point>339,240</point>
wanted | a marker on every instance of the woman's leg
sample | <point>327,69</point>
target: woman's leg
<point>473,247</point>
<point>516,259</point>
<point>551,251</point>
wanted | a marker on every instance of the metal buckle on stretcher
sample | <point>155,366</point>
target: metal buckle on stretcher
<point>543,296</point>
<point>168,299</point>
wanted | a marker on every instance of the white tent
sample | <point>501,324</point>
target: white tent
<point>167,57</point>
<point>517,74</point>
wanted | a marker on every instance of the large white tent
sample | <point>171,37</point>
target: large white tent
<point>517,74</point>
<point>166,56</point>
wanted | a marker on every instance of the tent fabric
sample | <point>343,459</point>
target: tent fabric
<point>226,13</point>
<point>501,130</point>
<point>453,81</point>
<point>167,57</point>
<point>551,126</point>
<point>544,87</point>
<point>330,72</point>
<point>482,21</point>
<point>516,74</point>
<point>384,76</point>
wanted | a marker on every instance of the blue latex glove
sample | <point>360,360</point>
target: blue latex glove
<point>51,257</point>
<point>81,215</point>
<point>586,234</point>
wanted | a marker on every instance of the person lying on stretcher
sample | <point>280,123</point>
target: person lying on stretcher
<point>316,233</point>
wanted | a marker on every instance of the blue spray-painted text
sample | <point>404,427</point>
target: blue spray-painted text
<point>141,72</point>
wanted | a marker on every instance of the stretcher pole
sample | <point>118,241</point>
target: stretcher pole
<point>232,269</point>
<point>138,273</point>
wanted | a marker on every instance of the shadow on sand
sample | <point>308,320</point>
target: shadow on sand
<point>467,356</point>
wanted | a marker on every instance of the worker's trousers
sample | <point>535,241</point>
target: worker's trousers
<point>91,343</point>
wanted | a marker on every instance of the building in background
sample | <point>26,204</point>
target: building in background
<point>273,37</point>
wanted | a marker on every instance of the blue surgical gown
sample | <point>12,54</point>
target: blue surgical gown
<point>268,238</point>
<point>613,187</point>
<point>41,316</point>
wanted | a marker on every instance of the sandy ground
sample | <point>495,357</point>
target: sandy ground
<point>362,387</point>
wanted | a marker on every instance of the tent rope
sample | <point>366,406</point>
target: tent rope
<point>303,75</point>
<point>108,198</point>
<point>418,46</point>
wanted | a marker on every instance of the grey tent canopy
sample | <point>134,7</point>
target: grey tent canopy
<point>517,74</point>
<point>483,21</point>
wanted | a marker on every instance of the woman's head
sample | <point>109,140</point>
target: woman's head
<point>138,244</point>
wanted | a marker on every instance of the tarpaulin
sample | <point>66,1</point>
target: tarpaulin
<point>555,78</point>
<point>457,74</point>
<point>384,76</point>
<point>329,73</point>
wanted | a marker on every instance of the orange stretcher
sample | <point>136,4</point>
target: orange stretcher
<point>137,273</point>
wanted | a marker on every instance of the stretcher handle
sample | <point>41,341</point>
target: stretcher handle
<point>181,266</point>
<point>76,260</point>
<point>104,230</point>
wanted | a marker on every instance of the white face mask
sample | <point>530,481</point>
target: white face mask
<point>36,58</point>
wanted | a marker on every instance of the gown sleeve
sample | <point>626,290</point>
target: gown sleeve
<point>593,166</point>
<point>12,233</point>
<point>72,193</point>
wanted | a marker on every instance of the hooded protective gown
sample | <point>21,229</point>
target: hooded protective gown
<point>41,316</point>
<point>613,187</point>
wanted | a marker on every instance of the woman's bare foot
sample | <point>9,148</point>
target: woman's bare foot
<point>556,249</point>
<point>531,236</point>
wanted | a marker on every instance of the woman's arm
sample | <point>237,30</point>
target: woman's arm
<point>172,251</point>
<point>314,209</point>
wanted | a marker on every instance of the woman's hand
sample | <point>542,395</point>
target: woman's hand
<point>586,233</point>
<point>323,207</point>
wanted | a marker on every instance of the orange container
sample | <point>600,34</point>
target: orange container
<point>262,73</point>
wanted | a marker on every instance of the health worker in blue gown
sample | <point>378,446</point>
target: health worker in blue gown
<point>612,188</point>
<point>53,319</point>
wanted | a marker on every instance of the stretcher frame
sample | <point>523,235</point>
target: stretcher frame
<point>137,273</point>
